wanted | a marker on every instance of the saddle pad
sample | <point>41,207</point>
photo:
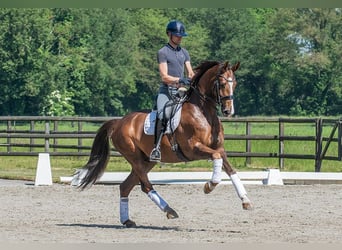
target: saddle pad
<point>172,124</point>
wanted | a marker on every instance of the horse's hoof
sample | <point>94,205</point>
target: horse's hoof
<point>129,223</point>
<point>247,206</point>
<point>171,214</point>
<point>208,187</point>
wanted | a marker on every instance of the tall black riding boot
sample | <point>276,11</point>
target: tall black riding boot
<point>158,134</point>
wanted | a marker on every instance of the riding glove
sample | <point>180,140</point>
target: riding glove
<point>184,81</point>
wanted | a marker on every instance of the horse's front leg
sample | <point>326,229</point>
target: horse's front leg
<point>220,159</point>
<point>216,175</point>
<point>239,188</point>
<point>217,158</point>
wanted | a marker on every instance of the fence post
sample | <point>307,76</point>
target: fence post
<point>31,131</point>
<point>339,139</point>
<point>47,132</point>
<point>9,128</point>
<point>55,140</point>
<point>281,145</point>
<point>319,140</point>
<point>80,143</point>
<point>248,143</point>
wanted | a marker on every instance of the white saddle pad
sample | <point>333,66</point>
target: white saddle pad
<point>172,124</point>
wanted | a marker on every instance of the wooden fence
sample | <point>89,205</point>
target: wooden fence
<point>30,135</point>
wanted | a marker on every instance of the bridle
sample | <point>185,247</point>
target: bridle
<point>218,99</point>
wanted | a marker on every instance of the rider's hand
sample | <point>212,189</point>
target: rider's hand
<point>184,81</point>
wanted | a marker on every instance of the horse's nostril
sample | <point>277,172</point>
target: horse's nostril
<point>226,112</point>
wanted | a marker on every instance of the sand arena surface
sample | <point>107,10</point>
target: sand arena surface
<point>61,214</point>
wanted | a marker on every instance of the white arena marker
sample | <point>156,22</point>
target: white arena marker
<point>43,173</point>
<point>274,177</point>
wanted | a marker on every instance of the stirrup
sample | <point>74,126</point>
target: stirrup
<point>155,155</point>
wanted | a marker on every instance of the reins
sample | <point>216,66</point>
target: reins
<point>203,97</point>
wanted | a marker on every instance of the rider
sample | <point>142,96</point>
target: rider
<point>171,60</point>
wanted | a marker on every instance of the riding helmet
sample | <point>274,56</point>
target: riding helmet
<point>176,28</point>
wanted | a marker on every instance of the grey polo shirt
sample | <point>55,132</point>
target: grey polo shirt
<point>175,59</point>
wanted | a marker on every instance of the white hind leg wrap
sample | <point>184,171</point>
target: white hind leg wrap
<point>124,212</point>
<point>217,169</point>
<point>158,200</point>
<point>240,189</point>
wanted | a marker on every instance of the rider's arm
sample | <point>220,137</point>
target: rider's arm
<point>189,70</point>
<point>167,79</point>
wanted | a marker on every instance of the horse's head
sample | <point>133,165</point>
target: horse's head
<point>224,87</point>
<point>216,83</point>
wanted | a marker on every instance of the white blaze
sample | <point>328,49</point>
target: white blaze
<point>230,83</point>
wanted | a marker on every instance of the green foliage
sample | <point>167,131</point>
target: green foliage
<point>105,59</point>
<point>25,36</point>
<point>59,104</point>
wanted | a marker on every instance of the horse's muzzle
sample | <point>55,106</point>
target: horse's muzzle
<point>227,112</point>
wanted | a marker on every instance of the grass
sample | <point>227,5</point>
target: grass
<point>21,167</point>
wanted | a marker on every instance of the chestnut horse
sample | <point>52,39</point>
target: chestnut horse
<point>199,136</point>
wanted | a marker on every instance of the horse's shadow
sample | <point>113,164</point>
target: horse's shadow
<point>106,226</point>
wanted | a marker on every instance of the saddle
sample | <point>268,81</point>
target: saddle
<point>172,123</point>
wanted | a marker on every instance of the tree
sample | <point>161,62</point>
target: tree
<point>24,41</point>
<point>306,57</point>
<point>104,60</point>
<point>112,73</point>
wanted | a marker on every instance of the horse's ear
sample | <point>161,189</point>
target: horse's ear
<point>226,65</point>
<point>236,66</point>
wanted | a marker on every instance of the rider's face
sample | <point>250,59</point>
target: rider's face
<point>176,40</point>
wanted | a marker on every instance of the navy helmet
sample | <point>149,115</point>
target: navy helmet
<point>176,28</point>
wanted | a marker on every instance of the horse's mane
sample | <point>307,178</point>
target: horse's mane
<point>201,69</point>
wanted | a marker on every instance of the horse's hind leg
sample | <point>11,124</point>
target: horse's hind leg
<point>147,188</point>
<point>136,176</point>
<point>125,188</point>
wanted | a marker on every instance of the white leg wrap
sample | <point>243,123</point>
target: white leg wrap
<point>157,199</point>
<point>217,169</point>
<point>240,189</point>
<point>124,209</point>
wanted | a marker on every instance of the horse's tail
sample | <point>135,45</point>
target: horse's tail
<point>98,159</point>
